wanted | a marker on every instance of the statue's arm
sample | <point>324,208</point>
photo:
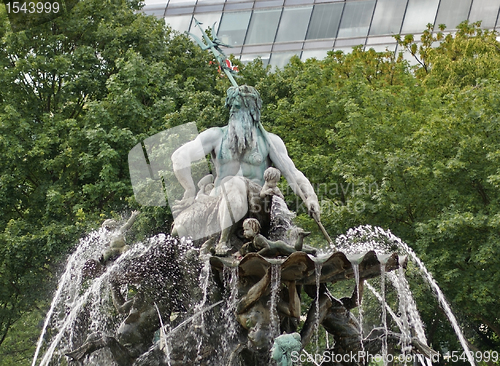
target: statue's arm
<point>130,222</point>
<point>261,242</point>
<point>119,302</point>
<point>295,178</point>
<point>193,151</point>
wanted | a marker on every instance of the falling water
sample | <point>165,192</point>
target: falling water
<point>72,267</point>
<point>384,313</point>
<point>230,275</point>
<point>409,313</point>
<point>73,302</point>
<point>355,268</point>
<point>408,307</point>
<point>204,281</point>
<point>383,303</point>
<point>275,288</point>
<point>317,272</point>
<point>366,237</point>
<point>92,293</point>
<point>163,336</point>
<point>172,333</point>
<point>399,320</point>
<point>441,298</point>
<point>281,221</point>
<point>67,296</point>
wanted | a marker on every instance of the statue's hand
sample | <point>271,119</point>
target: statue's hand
<point>313,208</point>
<point>266,192</point>
<point>135,213</point>
<point>181,205</point>
<point>186,201</point>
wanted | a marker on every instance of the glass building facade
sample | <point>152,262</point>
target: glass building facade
<point>275,30</point>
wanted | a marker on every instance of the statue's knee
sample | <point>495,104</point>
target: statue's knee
<point>234,185</point>
<point>178,230</point>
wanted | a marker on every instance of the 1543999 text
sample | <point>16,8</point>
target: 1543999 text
<point>32,7</point>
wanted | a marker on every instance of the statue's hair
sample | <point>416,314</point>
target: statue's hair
<point>251,99</point>
<point>253,223</point>
<point>289,342</point>
<point>272,174</point>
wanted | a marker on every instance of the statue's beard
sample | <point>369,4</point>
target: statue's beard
<point>241,131</point>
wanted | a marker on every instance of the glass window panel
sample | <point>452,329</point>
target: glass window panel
<point>155,3</point>
<point>157,12</point>
<point>180,23</point>
<point>248,58</point>
<point>350,42</point>
<point>298,2</point>
<point>293,24</point>
<point>179,11</point>
<point>181,2</point>
<point>380,40</point>
<point>279,60</point>
<point>317,54</point>
<point>325,21</point>
<point>207,19</point>
<point>327,1</point>
<point>485,10</point>
<point>210,8</point>
<point>206,2</point>
<point>388,17</point>
<point>261,49</point>
<point>452,12</point>
<point>268,4</point>
<point>290,46</point>
<point>233,27</point>
<point>263,25</point>
<point>312,45</point>
<point>238,6</point>
<point>356,18</point>
<point>418,15</point>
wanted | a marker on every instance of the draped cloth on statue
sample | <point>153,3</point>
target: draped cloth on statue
<point>201,219</point>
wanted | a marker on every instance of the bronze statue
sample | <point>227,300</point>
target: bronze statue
<point>270,188</point>
<point>284,346</point>
<point>241,152</point>
<point>269,248</point>
<point>117,245</point>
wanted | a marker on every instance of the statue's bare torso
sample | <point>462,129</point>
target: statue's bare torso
<point>250,164</point>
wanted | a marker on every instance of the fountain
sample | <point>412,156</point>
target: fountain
<point>162,303</point>
<point>235,282</point>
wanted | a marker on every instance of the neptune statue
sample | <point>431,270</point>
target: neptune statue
<point>241,152</point>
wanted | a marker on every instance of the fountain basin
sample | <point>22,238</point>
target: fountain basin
<point>300,267</point>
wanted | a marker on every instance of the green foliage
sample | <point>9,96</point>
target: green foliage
<point>18,346</point>
<point>412,149</point>
<point>77,94</point>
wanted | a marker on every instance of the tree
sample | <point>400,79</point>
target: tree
<point>77,94</point>
<point>413,150</point>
